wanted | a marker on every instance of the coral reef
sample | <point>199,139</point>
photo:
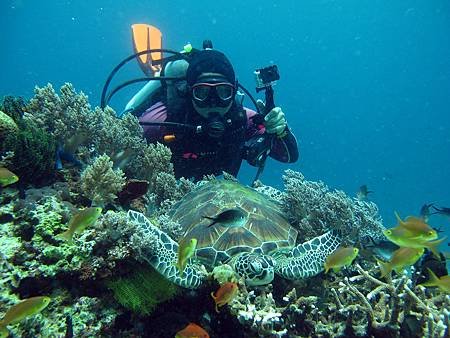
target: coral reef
<point>8,128</point>
<point>100,183</point>
<point>259,313</point>
<point>61,115</point>
<point>32,147</point>
<point>88,316</point>
<point>314,209</point>
<point>69,114</point>
<point>100,286</point>
<point>357,305</point>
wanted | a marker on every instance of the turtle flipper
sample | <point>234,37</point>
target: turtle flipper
<point>164,254</point>
<point>307,259</point>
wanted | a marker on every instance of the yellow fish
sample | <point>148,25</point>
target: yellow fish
<point>400,259</point>
<point>417,228</point>
<point>442,283</point>
<point>404,238</point>
<point>186,249</point>
<point>7,177</point>
<point>80,221</point>
<point>342,256</point>
<point>19,311</point>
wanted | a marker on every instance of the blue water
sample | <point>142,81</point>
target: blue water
<point>365,84</point>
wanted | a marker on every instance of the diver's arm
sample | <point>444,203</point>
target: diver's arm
<point>156,113</point>
<point>283,149</point>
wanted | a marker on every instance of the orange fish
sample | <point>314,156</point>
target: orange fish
<point>225,294</point>
<point>192,331</point>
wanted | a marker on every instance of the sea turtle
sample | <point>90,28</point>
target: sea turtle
<point>257,246</point>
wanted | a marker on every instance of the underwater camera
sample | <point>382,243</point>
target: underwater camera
<point>266,76</point>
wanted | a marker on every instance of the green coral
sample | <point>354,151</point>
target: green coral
<point>68,113</point>
<point>8,128</point>
<point>61,115</point>
<point>142,290</point>
<point>34,153</point>
<point>100,183</point>
<point>13,106</point>
<point>33,148</point>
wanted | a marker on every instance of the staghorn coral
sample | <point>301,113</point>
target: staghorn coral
<point>358,305</point>
<point>100,183</point>
<point>362,305</point>
<point>258,312</point>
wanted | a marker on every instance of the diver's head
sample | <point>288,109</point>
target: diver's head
<point>211,79</point>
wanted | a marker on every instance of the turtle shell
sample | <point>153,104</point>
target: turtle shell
<point>264,229</point>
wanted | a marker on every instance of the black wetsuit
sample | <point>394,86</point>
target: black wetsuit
<point>198,154</point>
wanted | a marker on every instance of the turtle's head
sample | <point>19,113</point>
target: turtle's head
<point>256,269</point>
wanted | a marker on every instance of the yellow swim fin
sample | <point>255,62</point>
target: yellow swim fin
<point>147,37</point>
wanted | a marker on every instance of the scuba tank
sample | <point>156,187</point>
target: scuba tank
<point>153,90</point>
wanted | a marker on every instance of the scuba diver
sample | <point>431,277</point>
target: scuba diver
<point>198,113</point>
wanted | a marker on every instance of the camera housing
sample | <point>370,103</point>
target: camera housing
<point>266,76</point>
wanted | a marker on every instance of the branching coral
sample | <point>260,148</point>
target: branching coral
<point>152,160</point>
<point>357,305</point>
<point>62,115</point>
<point>100,183</point>
<point>315,209</point>
<point>69,114</point>
<point>364,305</point>
<point>259,313</point>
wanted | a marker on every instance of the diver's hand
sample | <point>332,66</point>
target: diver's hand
<point>274,121</point>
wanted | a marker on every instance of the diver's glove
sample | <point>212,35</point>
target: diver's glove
<point>274,121</point>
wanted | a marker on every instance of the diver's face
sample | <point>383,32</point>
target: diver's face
<point>212,95</point>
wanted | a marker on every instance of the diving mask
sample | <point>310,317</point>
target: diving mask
<point>203,92</point>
